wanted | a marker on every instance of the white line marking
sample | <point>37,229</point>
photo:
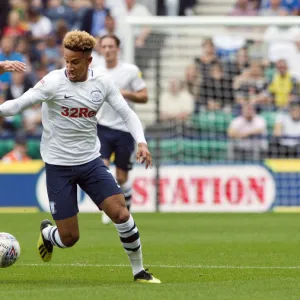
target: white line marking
<point>162,266</point>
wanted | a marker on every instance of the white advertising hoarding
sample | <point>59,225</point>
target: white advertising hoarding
<point>215,188</point>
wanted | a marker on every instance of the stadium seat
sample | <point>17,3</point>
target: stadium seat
<point>196,151</point>
<point>6,146</point>
<point>189,151</point>
<point>33,146</point>
<point>210,121</point>
<point>270,117</point>
<point>170,149</point>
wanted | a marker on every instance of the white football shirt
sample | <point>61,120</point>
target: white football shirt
<point>125,76</point>
<point>69,115</point>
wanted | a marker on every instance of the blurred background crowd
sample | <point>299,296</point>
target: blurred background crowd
<point>237,104</point>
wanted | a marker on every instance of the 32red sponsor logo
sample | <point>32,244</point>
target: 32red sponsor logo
<point>76,112</point>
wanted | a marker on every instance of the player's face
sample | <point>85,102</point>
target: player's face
<point>109,49</point>
<point>77,64</point>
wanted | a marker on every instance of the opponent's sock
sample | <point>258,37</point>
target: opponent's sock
<point>127,191</point>
<point>51,234</point>
<point>130,239</point>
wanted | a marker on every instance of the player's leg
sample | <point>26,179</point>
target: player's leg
<point>115,207</point>
<point>62,194</point>
<point>124,158</point>
<point>106,140</point>
<point>101,186</point>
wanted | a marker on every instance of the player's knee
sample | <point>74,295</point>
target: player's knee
<point>122,176</point>
<point>70,240</point>
<point>121,179</point>
<point>121,216</point>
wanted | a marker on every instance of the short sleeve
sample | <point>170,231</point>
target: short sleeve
<point>46,87</point>
<point>137,82</point>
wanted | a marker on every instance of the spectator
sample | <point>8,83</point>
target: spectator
<point>19,152</point>
<point>109,26</point>
<point>275,9</point>
<point>5,127</point>
<point>176,104</point>
<point>207,58</point>
<point>251,84</point>
<point>93,20</point>
<point>291,6</point>
<point>283,86</point>
<point>216,90</point>
<point>237,66</point>
<point>79,9</point>
<point>18,86</point>
<point>246,134</point>
<point>40,26</point>
<point>287,132</point>
<point>192,80</point>
<point>133,9</point>
<point>15,26</point>
<point>243,8</point>
<point>32,120</point>
<point>4,11</point>
<point>57,11</point>
<point>60,31</point>
<point>175,7</point>
<point>51,56</point>
<point>8,53</point>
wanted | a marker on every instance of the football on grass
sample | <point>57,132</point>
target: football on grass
<point>9,250</point>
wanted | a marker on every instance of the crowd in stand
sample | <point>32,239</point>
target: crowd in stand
<point>237,84</point>
<point>258,95</point>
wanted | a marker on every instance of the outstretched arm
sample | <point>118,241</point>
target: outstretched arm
<point>12,66</point>
<point>16,106</point>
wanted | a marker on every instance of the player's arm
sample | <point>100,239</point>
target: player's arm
<point>132,121</point>
<point>12,66</point>
<point>140,96</point>
<point>42,91</point>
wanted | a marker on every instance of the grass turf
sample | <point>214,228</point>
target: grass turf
<point>197,256</point>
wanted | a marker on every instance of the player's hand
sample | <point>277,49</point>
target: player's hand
<point>143,155</point>
<point>12,66</point>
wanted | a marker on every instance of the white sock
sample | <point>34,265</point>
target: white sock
<point>51,234</point>
<point>130,239</point>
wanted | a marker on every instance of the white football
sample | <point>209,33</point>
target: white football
<point>9,250</point>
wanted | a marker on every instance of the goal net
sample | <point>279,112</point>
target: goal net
<point>222,89</point>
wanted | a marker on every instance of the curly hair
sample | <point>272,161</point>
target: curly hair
<point>79,41</point>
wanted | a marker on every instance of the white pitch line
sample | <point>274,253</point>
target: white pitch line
<point>162,266</point>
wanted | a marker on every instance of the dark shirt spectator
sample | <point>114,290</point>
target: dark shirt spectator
<point>93,20</point>
<point>207,59</point>
<point>216,88</point>
<point>57,11</point>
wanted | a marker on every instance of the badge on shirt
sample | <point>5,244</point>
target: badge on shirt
<point>96,96</point>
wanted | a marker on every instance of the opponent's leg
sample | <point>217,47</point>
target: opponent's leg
<point>126,185</point>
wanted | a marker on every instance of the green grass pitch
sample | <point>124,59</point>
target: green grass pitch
<point>196,256</point>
